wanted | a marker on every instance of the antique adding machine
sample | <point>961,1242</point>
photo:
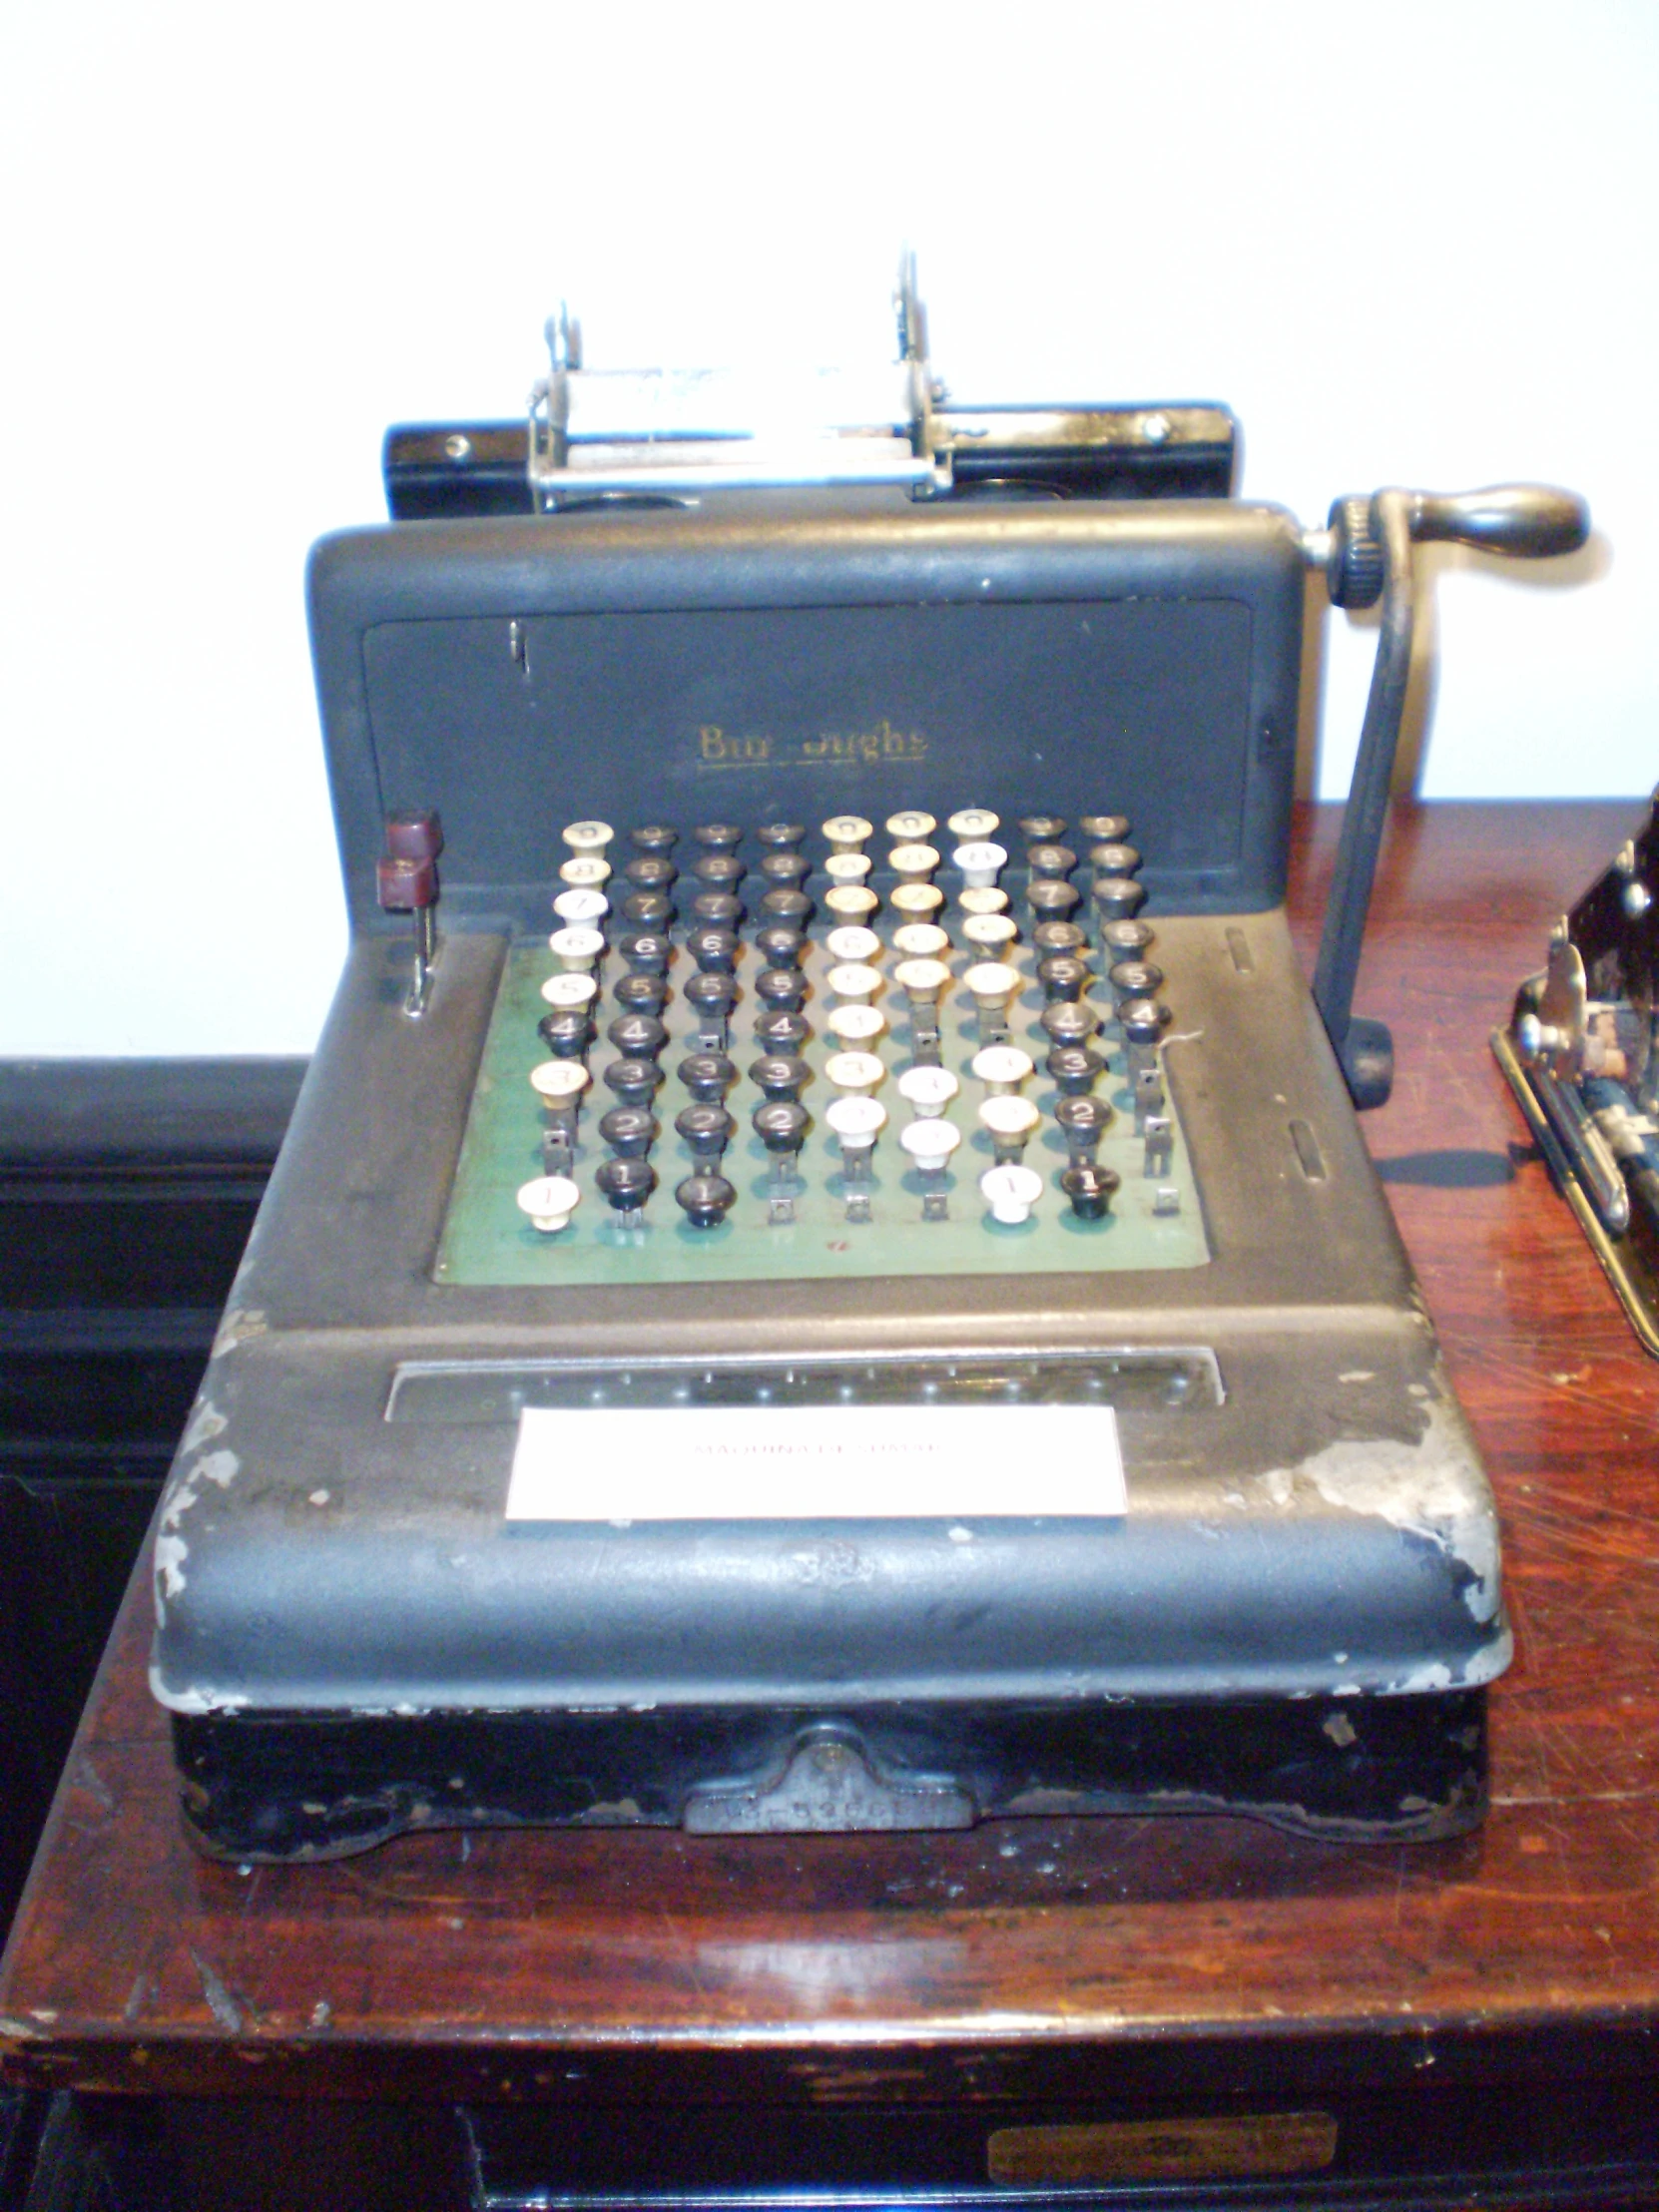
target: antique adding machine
<point>831,1280</point>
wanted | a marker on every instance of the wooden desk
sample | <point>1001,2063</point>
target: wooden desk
<point>636,2008</point>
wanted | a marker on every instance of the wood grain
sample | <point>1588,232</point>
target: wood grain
<point>1025,1961</point>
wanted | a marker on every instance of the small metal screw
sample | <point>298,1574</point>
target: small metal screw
<point>1636,900</point>
<point>456,446</point>
<point>1154,427</point>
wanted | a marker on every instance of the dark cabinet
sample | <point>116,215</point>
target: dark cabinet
<point>127,1190</point>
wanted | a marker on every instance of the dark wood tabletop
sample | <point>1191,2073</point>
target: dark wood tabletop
<point>1019,1960</point>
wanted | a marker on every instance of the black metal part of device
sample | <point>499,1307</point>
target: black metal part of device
<point>293,1785</point>
<point>441,471</point>
<point>1371,556</point>
<point>1590,1100</point>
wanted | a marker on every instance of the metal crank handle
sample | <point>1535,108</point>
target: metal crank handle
<point>1366,556</point>
<point>1529,522</point>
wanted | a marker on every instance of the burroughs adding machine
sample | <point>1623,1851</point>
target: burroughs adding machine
<point>830,1280</point>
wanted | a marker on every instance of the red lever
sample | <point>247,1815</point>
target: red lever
<point>415,835</point>
<point>405,885</point>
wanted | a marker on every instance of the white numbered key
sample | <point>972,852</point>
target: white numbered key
<point>974,824</point>
<point>851,903</point>
<point>927,1091</point>
<point>911,828</point>
<point>853,943</point>
<point>980,862</point>
<point>1011,1122</point>
<point>857,1025</point>
<point>1011,1192</point>
<point>566,992</point>
<point>1002,1067</point>
<point>557,1082</point>
<point>920,940</point>
<point>916,901</point>
<point>854,1071</point>
<point>993,984</point>
<point>854,980</point>
<point>847,833</point>
<point>585,872</point>
<point>576,950</point>
<point>930,1143</point>
<point>923,983</point>
<point>983,898</point>
<point>858,1120</point>
<point>549,1200</point>
<point>581,909</point>
<point>588,836</point>
<point>913,863</point>
<point>847,868</point>
<point>989,934</point>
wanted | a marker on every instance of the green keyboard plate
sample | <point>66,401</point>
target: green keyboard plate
<point>487,1241</point>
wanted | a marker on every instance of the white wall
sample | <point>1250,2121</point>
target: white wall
<point>1407,243</point>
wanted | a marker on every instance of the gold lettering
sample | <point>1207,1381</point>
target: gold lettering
<point>716,746</point>
<point>866,747</point>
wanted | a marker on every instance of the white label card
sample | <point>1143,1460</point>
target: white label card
<point>815,1463</point>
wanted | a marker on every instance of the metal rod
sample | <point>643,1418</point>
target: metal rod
<point>1368,799</point>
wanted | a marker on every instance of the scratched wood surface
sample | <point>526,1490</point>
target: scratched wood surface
<point>1026,1960</point>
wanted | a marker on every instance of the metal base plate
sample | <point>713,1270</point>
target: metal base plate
<point>288,1786</point>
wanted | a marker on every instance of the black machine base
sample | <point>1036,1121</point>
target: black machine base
<point>275,1786</point>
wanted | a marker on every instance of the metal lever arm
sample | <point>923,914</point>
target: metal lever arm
<point>1526,521</point>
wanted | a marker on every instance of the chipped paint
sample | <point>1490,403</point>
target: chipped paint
<point>1424,1489</point>
<point>1052,1802</point>
<point>1340,1728</point>
<point>1428,1488</point>
<point>206,1424</point>
<point>241,1324</point>
<point>170,1554</point>
<point>623,1809</point>
<point>194,1700</point>
<point>218,1467</point>
<point>221,2003</point>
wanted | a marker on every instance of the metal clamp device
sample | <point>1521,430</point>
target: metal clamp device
<point>1581,1054</point>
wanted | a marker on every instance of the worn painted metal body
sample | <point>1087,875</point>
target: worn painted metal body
<point>1299,1609</point>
